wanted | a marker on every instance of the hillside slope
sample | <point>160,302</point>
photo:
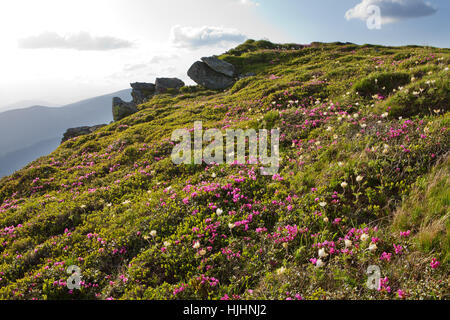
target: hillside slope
<point>364,148</point>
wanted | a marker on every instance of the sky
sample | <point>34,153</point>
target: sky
<point>64,51</point>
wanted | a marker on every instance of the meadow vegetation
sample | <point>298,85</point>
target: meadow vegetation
<point>363,181</point>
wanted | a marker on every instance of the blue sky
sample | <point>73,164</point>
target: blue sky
<point>324,20</point>
<point>64,51</point>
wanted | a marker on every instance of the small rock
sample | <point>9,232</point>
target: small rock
<point>203,75</point>
<point>122,109</point>
<point>162,84</point>
<point>80,131</point>
<point>220,66</point>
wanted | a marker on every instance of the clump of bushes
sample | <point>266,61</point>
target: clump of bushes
<point>252,45</point>
<point>422,98</point>
<point>381,83</point>
<point>426,212</point>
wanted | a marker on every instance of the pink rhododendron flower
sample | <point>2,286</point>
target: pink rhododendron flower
<point>434,263</point>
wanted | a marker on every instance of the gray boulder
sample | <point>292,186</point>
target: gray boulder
<point>122,109</point>
<point>80,131</point>
<point>220,66</point>
<point>142,91</point>
<point>203,75</point>
<point>162,84</point>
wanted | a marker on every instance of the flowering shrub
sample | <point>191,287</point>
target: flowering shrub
<point>363,181</point>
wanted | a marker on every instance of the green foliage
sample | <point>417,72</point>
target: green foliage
<point>426,210</point>
<point>426,96</point>
<point>381,83</point>
<point>370,167</point>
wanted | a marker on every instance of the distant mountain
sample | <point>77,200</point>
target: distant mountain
<point>17,159</point>
<point>28,133</point>
<point>26,104</point>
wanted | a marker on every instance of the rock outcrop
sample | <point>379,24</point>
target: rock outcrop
<point>122,109</point>
<point>211,73</point>
<point>205,76</point>
<point>80,131</point>
<point>220,66</point>
<point>163,84</point>
<point>142,91</point>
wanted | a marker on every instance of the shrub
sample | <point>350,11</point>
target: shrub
<point>421,98</point>
<point>381,83</point>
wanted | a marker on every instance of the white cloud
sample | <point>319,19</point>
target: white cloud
<point>249,3</point>
<point>78,41</point>
<point>195,37</point>
<point>134,67</point>
<point>163,58</point>
<point>391,10</point>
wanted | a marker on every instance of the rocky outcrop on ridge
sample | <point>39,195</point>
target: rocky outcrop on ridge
<point>142,91</point>
<point>80,131</point>
<point>220,66</point>
<point>122,109</point>
<point>163,84</point>
<point>212,73</point>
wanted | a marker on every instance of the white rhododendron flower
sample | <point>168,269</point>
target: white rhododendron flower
<point>322,253</point>
<point>373,247</point>
<point>348,243</point>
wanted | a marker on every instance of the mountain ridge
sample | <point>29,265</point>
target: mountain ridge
<point>26,104</point>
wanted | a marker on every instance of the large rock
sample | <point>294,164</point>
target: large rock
<point>80,131</point>
<point>162,84</point>
<point>122,109</point>
<point>142,91</point>
<point>220,66</point>
<point>203,75</point>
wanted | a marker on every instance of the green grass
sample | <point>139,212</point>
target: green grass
<point>359,156</point>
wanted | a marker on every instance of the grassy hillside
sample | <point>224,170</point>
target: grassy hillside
<point>363,178</point>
